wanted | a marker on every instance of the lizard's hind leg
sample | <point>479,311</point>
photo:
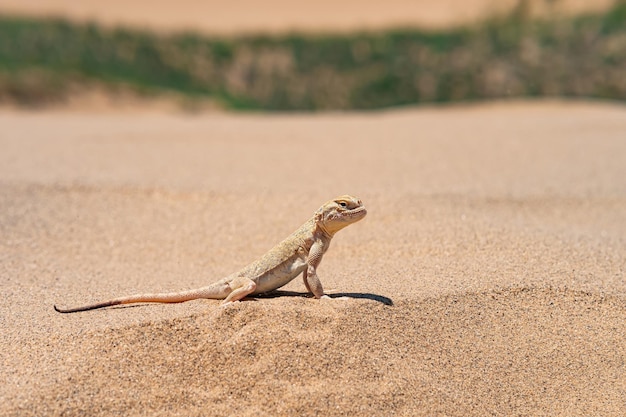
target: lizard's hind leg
<point>241,287</point>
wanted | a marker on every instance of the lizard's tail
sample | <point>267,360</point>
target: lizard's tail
<point>173,297</point>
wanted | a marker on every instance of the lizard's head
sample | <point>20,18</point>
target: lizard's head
<point>339,213</point>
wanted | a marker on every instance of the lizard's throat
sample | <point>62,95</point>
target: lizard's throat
<point>324,230</point>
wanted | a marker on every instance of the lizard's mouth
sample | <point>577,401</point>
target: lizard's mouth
<point>356,212</point>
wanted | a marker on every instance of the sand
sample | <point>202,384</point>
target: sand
<point>278,16</point>
<point>487,279</point>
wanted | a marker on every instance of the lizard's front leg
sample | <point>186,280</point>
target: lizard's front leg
<point>311,281</point>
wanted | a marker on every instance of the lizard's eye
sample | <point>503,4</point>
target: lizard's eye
<point>343,204</point>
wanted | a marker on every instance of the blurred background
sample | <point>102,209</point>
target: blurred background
<point>278,55</point>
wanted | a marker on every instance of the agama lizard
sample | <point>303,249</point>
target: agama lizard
<point>300,253</point>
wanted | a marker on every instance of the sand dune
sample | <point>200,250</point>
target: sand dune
<point>488,277</point>
<point>236,17</point>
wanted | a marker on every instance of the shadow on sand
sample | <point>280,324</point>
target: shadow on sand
<point>358,295</point>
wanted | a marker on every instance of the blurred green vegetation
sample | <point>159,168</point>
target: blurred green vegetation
<point>510,56</point>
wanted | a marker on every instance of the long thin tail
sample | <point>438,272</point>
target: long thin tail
<point>173,297</point>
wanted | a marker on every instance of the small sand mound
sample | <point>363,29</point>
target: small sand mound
<point>520,351</point>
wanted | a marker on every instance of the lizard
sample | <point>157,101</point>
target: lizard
<point>300,253</point>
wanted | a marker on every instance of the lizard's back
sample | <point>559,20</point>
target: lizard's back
<point>283,262</point>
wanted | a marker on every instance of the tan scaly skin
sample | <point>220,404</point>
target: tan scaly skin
<point>300,253</point>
